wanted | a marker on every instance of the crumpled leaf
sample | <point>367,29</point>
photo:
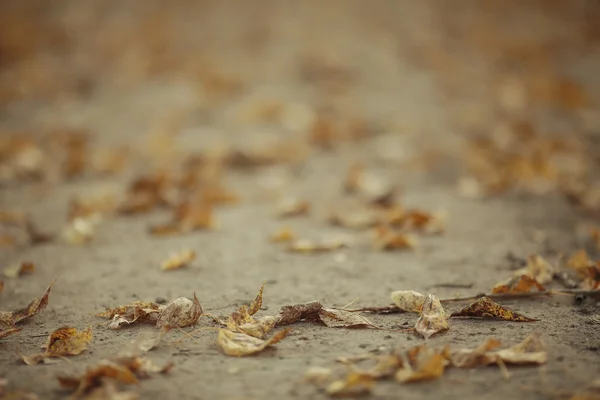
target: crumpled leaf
<point>530,351</point>
<point>259,328</point>
<point>180,312</point>
<point>433,318</point>
<point>408,300</point>
<point>308,246</point>
<point>14,271</point>
<point>129,309</point>
<point>283,235</point>
<point>139,311</point>
<point>423,363</point>
<point>65,341</point>
<point>588,270</point>
<point>242,320</point>
<point>34,307</point>
<point>488,308</point>
<point>387,239</point>
<point>537,268</point>
<point>292,207</point>
<point>126,370</point>
<point>178,260</point>
<point>238,344</point>
<point>299,312</point>
<point>517,284</point>
<point>334,318</point>
<point>354,384</point>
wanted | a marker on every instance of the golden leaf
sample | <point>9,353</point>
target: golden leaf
<point>238,344</point>
<point>433,318</point>
<point>408,300</point>
<point>488,308</point>
<point>333,318</point>
<point>518,284</point>
<point>65,341</point>
<point>423,364</point>
<point>352,385</point>
<point>257,302</point>
<point>537,268</point>
<point>178,260</point>
<point>34,307</point>
<point>129,309</point>
<point>180,312</point>
<point>258,328</point>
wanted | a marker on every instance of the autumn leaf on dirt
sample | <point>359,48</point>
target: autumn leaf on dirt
<point>423,363</point>
<point>518,284</point>
<point>81,230</point>
<point>180,312</point>
<point>238,344</point>
<point>299,312</point>
<point>308,246</point>
<point>433,318</point>
<point>243,321</point>
<point>189,216</point>
<point>420,221</point>
<point>292,207</point>
<point>11,318</point>
<point>146,193</point>
<point>125,370</point>
<point>4,332</point>
<point>488,308</point>
<point>282,235</point>
<point>588,270</point>
<point>139,311</point>
<point>336,318</point>
<point>388,239</point>
<point>354,384</point>
<point>62,342</point>
<point>178,260</point>
<point>537,268</point>
<point>408,300</point>
<point>14,271</point>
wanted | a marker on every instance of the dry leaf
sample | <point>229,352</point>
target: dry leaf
<point>283,235</point>
<point>178,260</point>
<point>433,318</point>
<point>180,312</point>
<point>8,331</point>
<point>387,239</point>
<point>334,318</point>
<point>17,270</point>
<point>108,390</point>
<point>146,193</point>
<point>240,344</point>
<point>65,341</point>
<point>34,307</point>
<point>299,312</point>
<point>354,384</point>
<point>81,230</point>
<point>469,358</point>
<point>423,364</point>
<point>421,221</point>
<point>189,216</point>
<point>374,188</point>
<point>292,207</point>
<point>307,246</point>
<point>408,300</point>
<point>488,308</point>
<point>259,328</point>
<point>518,284</point>
<point>129,309</point>
<point>537,268</point>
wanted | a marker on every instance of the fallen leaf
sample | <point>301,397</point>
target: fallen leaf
<point>433,318</point>
<point>374,188</point>
<point>238,344</point>
<point>139,311</point>
<point>408,300</point>
<point>189,216</point>
<point>518,284</point>
<point>8,331</point>
<point>283,235</point>
<point>421,221</point>
<point>354,217</point>
<point>354,384</point>
<point>17,270</point>
<point>423,364</point>
<point>180,312</point>
<point>299,312</point>
<point>488,308</point>
<point>178,260</point>
<point>537,268</point>
<point>470,358</point>
<point>65,341</point>
<point>108,390</point>
<point>307,246</point>
<point>81,230</point>
<point>334,318</point>
<point>259,328</point>
<point>146,344</point>
<point>257,302</point>
<point>388,239</point>
<point>34,307</point>
<point>146,193</point>
<point>292,207</point>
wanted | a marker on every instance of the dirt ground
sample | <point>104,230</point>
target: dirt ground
<point>382,63</point>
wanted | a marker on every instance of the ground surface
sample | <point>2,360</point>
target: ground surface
<point>412,113</point>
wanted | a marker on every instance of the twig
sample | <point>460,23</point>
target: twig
<point>453,285</point>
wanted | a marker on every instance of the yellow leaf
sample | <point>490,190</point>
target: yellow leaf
<point>178,260</point>
<point>408,300</point>
<point>433,318</point>
<point>518,284</point>
<point>240,344</point>
<point>488,308</point>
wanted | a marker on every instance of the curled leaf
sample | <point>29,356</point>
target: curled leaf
<point>408,300</point>
<point>65,341</point>
<point>8,331</point>
<point>238,344</point>
<point>178,260</point>
<point>34,307</point>
<point>128,309</point>
<point>488,308</point>
<point>517,284</point>
<point>537,268</point>
<point>334,318</point>
<point>433,318</point>
<point>423,363</point>
<point>180,312</point>
<point>299,312</point>
<point>387,239</point>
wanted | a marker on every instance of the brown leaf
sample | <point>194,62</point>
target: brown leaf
<point>488,308</point>
<point>240,344</point>
<point>408,300</point>
<point>64,341</point>
<point>258,328</point>
<point>283,235</point>
<point>146,193</point>
<point>299,312</point>
<point>389,240</point>
<point>178,260</point>
<point>421,221</point>
<point>469,358</point>
<point>433,318</point>
<point>537,268</point>
<point>128,309</point>
<point>518,284</point>
<point>17,270</point>
<point>257,302</point>
<point>354,384</point>
<point>8,331</point>
<point>307,246</point>
<point>423,364</point>
<point>292,207</point>
<point>334,318</point>
<point>180,312</point>
<point>34,307</point>
<point>189,216</point>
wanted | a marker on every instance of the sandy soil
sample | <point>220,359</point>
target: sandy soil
<point>411,112</point>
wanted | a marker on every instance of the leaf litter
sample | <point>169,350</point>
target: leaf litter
<point>65,341</point>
